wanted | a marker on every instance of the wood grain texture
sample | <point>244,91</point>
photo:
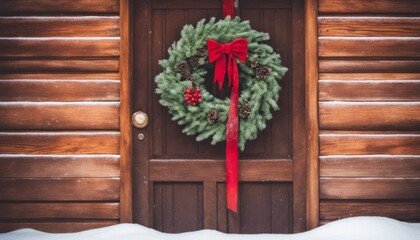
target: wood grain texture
<point>57,226</point>
<point>126,106</point>
<point>371,6</point>
<point>210,205</point>
<point>19,211</point>
<point>369,46</point>
<point>59,189</point>
<point>362,26</point>
<point>264,208</point>
<point>368,143</point>
<point>311,83</point>
<point>60,76</point>
<point>369,188</point>
<point>58,65</point>
<point>372,115</point>
<point>59,90</point>
<point>59,26</point>
<point>58,115</point>
<point>178,207</point>
<point>300,180</point>
<point>58,6</point>
<point>90,142</point>
<point>369,66</point>
<point>185,4</point>
<point>369,76</point>
<point>392,166</point>
<point>60,47</point>
<point>214,170</point>
<point>338,210</point>
<point>143,212</point>
<point>375,90</point>
<point>265,4</point>
<point>35,166</point>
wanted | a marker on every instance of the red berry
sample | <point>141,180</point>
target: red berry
<point>189,102</point>
<point>198,90</point>
<point>199,95</point>
<point>191,88</point>
<point>199,100</point>
<point>186,91</point>
<point>195,95</point>
<point>186,99</point>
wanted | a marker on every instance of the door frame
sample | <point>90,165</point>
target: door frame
<point>305,183</point>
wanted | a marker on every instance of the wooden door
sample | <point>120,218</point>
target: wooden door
<point>178,182</point>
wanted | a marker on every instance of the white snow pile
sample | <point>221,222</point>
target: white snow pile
<point>356,228</point>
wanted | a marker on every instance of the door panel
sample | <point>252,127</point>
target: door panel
<point>169,195</point>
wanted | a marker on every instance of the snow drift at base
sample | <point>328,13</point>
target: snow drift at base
<point>360,228</point>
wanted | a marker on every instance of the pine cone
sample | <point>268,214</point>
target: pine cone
<point>189,77</point>
<point>213,116</point>
<point>193,62</point>
<point>254,64</point>
<point>245,110</point>
<point>262,72</point>
<point>183,68</point>
<point>201,52</point>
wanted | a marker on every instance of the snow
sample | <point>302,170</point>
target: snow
<point>359,228</point>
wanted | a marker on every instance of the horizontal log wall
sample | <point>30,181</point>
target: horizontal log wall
<point>369,108</point>
<point>59,114</point>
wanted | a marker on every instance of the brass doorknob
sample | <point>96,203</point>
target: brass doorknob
<point>140,119</point>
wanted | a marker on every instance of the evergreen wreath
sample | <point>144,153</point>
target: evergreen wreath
<point>181,83</point>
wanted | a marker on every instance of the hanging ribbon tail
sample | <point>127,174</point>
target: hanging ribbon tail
<point>232,145</point>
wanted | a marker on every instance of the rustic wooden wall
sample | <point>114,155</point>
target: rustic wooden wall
<point>369,108</point>
<point>59,114</point>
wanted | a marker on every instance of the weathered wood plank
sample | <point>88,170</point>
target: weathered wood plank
<point>371,6</point>
<point>18,211</point>
<point>360,144</point>
<point>33,166</point>
<point>369,26</point>
<point>58,65</point>
<point>210,205</point>
<point>369,115</point>
<point>214,170</point>
<point>369,76</point>
<point>59,115</point>
<point>92,142</point>
<point>338,210</point>
<point>267,4</point>
<point>57,226</point>
<point>370,166</point>
<point>185,4</point>
<point>59,90</point>
<point>58,6</point>
<point>375,90</point>
<point>59,189</point>
<point>369,66</point>
<point>60,76</point>
<point>369,47</point>
<point>59,47</point>
<point>59,26</point>
<point>369,188</point>
<point>213,4</point>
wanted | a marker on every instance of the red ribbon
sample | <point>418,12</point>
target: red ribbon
<point>228,8</point>
<point>238,48</point>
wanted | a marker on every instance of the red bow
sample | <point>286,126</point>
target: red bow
<point>238,48</point>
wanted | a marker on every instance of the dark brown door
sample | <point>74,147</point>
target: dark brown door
<point>178,182</point>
